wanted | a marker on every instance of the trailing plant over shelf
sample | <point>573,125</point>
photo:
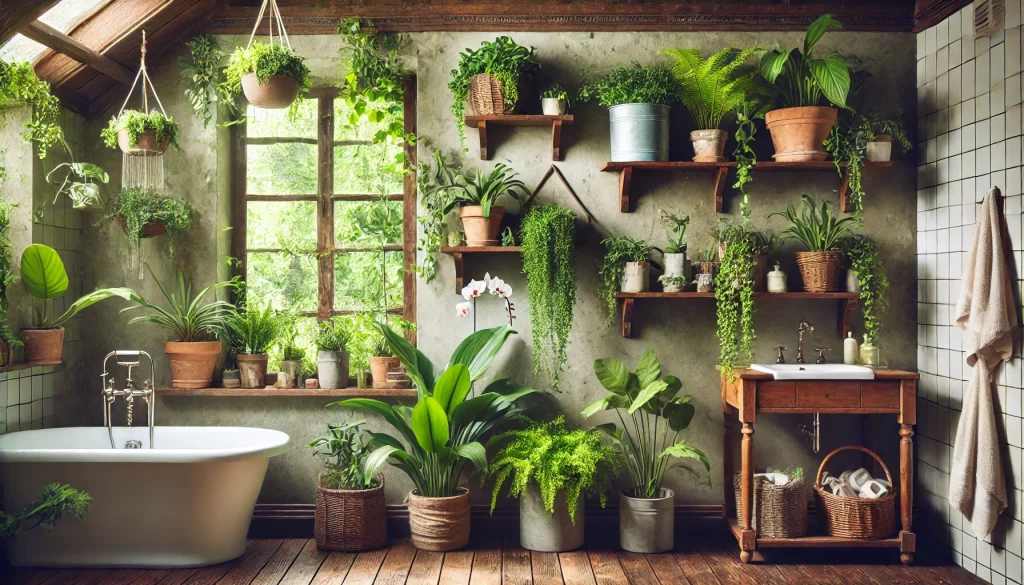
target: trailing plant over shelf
<point>265,61</point>
<point>636,84</point>
<point>866,262</point>
<point>803,80</point>
<point>677,230</point>
<point>555,91</point>
<point>816,229</point>
<point>618,251</point>
<point>19,85</point>
<point>55,501</point>
<point>878,126</point>
<point>478,187</point>
<point>374,79</point>
<point>556,459</point>
<point>346,450</point>
<point>847,143</point>
<point>548,235</point>
<point>138,207</point>
<point>202,69</point>
<point>734,293</point>
<point>435,181</point>
<point>714,87</point>
<point>503,59</point>
<point>746,159</point>
<point>136,123</point>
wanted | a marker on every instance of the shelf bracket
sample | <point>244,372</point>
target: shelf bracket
<point>720,180</point>
<point>459,271</point>
<point>844,188</point>
<point>846,310</point>
<point>556,140</point>
<point>482,130</point>
<point>627,317</point>
<point>625,198</point>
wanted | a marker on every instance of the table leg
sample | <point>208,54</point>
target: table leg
<point>747,535</point>
<point>907,538</point>
<point>728,469</point>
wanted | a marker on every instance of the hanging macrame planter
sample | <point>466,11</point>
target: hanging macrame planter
<point>275,92</point>
<point>142,162</point>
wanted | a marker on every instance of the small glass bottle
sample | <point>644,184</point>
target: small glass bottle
<point>869,353</point>
<point>851,351</point>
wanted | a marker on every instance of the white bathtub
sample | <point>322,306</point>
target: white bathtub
<point>186,503</point>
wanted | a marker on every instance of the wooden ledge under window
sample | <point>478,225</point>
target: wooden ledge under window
<point>289,392</point>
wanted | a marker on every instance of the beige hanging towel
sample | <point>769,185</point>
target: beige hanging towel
<point>987,315</point>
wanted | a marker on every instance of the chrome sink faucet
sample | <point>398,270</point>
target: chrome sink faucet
<point>129,360</point>
<point>804,327</point>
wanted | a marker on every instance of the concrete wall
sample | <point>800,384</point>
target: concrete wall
<point>683,334</point>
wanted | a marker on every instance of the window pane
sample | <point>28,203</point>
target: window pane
<point>348,125</point>
<point>367,223</point>
<point>278,123</point>
<point>358,169</point>
<point>360,281</point>
<point>287,281</point>
<point>281,169</point>
<point>288,225</point>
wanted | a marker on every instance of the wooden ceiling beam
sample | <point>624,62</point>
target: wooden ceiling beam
<point>47,35</point>
<point>15,14</point>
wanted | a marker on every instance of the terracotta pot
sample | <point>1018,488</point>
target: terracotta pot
<point>480,230</point>
<point>880,149</point>
<point>253,368</point>
<point>709,145</point>
<point>275,93</point>
<point>146,145</point>
<point>799,133</point>
<point>439,524</point>
<point>192,363</point>
<point>380,366</point>
<point>150,230</point>
<point>350,520</point>
<point>636,277</point>
<point>43,347</point>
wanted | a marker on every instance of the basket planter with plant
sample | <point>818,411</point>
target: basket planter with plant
<point>711,89</point>
<point>649,445</point>
<point>638,99</point>
<point>253,331</point>
<point>554,101</point>
<point>800,125</point>
<point>44,278</point>
<point>493,78</point>
<point>823,236</point>
<point>675,251</point>
<point>195,323</point>
<point>332,358</point>
<point>443,431</point>
<point>350,513</point>
<point>550,468</point>
<point>869,275</point>
<point>271,76</point>
<point>140,133</point>
<point>475,193</point>
<point>624,267</point>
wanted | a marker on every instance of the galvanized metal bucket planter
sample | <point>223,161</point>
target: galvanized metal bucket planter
<point>545,532</point>
<point>639,132</point>
<point>647,525</point>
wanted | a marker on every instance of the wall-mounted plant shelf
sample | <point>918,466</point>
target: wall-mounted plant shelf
<point>458,255</point>
<point>627,198</point>
<point>481,123</point>
<point>847,304</point>
<point>290,392</point>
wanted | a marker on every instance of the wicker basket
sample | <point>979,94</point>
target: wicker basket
<point>820,270</point>
<point>780,511</point>
<point>858,518</point>
<point>350,520</point>
<point>486,96</point>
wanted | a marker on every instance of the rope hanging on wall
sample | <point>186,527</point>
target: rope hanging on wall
<point>142,166</point>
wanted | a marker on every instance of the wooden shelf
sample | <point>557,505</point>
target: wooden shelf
<point>457,253</point>
<point>847,305</point>
<point>481,123</point>
<point>291,392</point>
<point>816,541</point>
<point>627,198</point>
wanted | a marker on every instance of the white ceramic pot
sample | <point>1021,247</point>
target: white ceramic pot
<point>675,264</point>
<point>554,106</point>
<point>637,277</point>
<point>880,150</point>
<point>852,283</point>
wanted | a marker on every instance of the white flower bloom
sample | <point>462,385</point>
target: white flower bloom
<point>504,290</point>
<point>474,289</point>
<point>494,284</point>
<point>462,309</point>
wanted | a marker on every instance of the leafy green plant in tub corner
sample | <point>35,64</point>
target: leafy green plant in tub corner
<point>556,459</point>
<point>481,188</point>
<point>202,69</point>
<point>265,61</point>
<point>677,229</point>
<point>136,123</point>
<point>503,59</point>
<point>865,259</point>
<point>746,158</point>
<point>650,401</point>
<point>347,464</point>
<point>189,318</point>
<point>253,329</point>
<point>734,293</point>
<point>548,235</point>
<point>19,85</point>
<point>555,91</point>
<point>714,87</point>
<point>55,501</point>
<point>618,251</point>
<point>816,229</point>
<point>636,84</point>
<point>445,428</point>
<point>138,207</point>
<point>802,79</point>
<point>434,181</point>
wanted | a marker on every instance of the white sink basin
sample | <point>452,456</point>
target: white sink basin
<point>816,371</point>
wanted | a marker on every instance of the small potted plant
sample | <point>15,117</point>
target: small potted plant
<point>646,509</point>
<point>332,360</point>
<point>271,76</point>
<point>673,283</point>
<point>474,194</point>
<point>549,468</point>
<point>253,331</point>
<point>675,251</point>
<point>707,260</point>
<point>44,278</point>
<point>382,361</point>
<point>493,78</point>
<point>133,132</point>
<point>638,99</point>
<point>624,267</point>
<point>880,133</point>
<point>350,514</point>
<point>554,101</point>
<point>823,237</point>
<point>292,355</point>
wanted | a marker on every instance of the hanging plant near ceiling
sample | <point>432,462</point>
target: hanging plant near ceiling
<point>203,72</point>
<point>373,78</point>
<point>144,213</point>
<point>20,86</point>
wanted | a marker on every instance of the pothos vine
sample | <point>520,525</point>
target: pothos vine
<point>866,263</point>
<point>734,296</point>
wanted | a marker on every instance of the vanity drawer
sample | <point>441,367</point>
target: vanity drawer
<point>822,394</point>
<point>776,395</point>
<point>880,395</point>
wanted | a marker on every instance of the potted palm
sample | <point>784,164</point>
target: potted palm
<point>332,359</point>
<point>823,237</point>
<point>801,124</point>
<point>650,449</point>
<point>443,431</point>
<point>675,251</point>
<point>623,267</point>
<point>493,78</point>
<point>134,132</point>
<point>554,101</point>
<point>549,467</point>
<point>271,76</point>
<point>638,100</point>
<point>195,324</point>
<point>710,89</point>
<point>44,278</point>
<point>253,331</point>
<point>475,193</point>
<point>350,514</point>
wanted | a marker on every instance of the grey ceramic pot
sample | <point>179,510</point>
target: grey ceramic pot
<point>647,526</point>
<point>545,532</point>
<point>332,369</point>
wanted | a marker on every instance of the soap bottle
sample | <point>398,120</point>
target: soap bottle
<point>869,353</point>
<point>777,280</point>
<point>851,351</point>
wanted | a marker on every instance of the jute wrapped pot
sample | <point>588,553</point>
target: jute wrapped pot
<point>820,270</point>
<point>350,520</point>
<point>439,524</point>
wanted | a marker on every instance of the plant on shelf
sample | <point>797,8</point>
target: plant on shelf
<point>677,231</point>
<point>19,85</point>
<point>382,360</point>
<point>635,84</point>
<point>125,130</point>
<point>650,401</point>
<point>202,69</point>
<point>443,431</point>
<point>734,293</point>
<point>253,330</point>
<point>555,91</point>
<point>744,155</point>
<point>269,71</point>
<point>554,100</point>
<point>865,260</point>
<point>612,269</point>
<point>548,234</point>
<point>504,63</point>
<point>7,279</point>
<point>292,353</point>
<point>673,282</point>
<point>822,235</point>
<point>332,343</point>
<point>55,501</point>
<point>435,182</point>
<point>475,193</point>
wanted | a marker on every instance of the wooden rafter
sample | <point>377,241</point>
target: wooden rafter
<point>15,14</point>
<point>47,35</point>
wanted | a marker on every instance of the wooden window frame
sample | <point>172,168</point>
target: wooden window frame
<point>325,199</point>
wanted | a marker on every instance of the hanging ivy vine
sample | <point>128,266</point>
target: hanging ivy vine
<point>734,294</point>
<point>866,262</point>
<point>374,81</point>
<point>203,71</point>
<point>19,85</point>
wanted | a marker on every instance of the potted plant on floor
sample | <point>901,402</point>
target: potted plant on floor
<point>711,89</point>
<point>868,273</point>
<point>350,514</point>
<point>649,445</point>
<point>823,237</point>
<point>195,324</point>
<point>554,101</point>
<point>134,131</point>
<point>638,99</point>
<point>800,125</point>
<point>493,78</point>
<point>332,359</point>
<point>271,76</point>
<point>549,468</point>
<point>675,251</point>
<point>475,194</point>
<point>44,278</point>
<point>443,431</point>
<point>254,330</point>
<point>624,266</point>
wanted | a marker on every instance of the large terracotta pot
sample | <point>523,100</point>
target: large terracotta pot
<point>5,353</point>
<point>275,93</point>
<point>480,230</point>
<point>146,145</point>
<point>709,145</point>
<point>253,368</point>
<point>43,347</point>
<point>439,524</point>
<point>380,366</point>
<point>799,133</point>
<point>192,363</point>
<point>350,520</point>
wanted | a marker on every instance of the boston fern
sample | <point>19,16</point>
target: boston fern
<point>714,87</point>
<point>136,123</point>
<point>866,262</point>
<point>56,500</point>
<point>503,59</point>
<point>548,236</point>
<point>618,251</point>
<point>631,85</point>
<point>801,79</point>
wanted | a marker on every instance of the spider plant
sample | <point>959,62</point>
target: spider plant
<point>188,317</point>
<point>483,189</point>
<point>817,230</point>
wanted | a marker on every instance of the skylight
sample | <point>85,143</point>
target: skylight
<point>65,16</point>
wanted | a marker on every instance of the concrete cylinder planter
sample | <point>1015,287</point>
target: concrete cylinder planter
<point>43,347</point>
<point>290,372</point>
<point>439,524</point>
<point>880,149</point>
<point>545,532</point>
<point>554,106</point>
<point>639,132</point>
<point>332,369</point>
<point>253,369</point>
<point>647,525</point>
<point>799,133</point>
<point>637,277</point>
<point>675,264</point>
<point>273,93</point>
<point>192,363</point>
<point>480,230</point>
<point>709,145</point>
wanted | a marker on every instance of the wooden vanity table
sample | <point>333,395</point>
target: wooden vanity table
<point>753,392</point>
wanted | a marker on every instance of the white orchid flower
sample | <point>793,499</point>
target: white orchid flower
<point>494,284</point>
<point>474,289</point>
<point>503,290</point>
<point>462,309</point>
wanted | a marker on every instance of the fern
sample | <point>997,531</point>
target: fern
<point>713,87</point>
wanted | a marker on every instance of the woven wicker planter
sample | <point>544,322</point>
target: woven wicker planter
<point>439,524</point>
<point>350,520</point>
<point>820,270</point>
<point>858,518</point>
<point>487,98</point>
<point>780,511</point>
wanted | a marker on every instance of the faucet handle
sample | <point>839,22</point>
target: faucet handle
<point>821,354</point>
<point>781,359</point>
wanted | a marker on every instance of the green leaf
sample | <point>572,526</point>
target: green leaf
<point>607,403</point>
<point>646,394</point>
<point>648,370</point>
<point>451,387</point>
<point>679,413</point>
<point>833,77</point>
<point>508,390</point>
<point>377,459</point>
<point>475,452</point>
<point>384,410</point>
<point>818,28</point>
<point>42,272</point>
<point>417,366</point>
<point>430,424</point>
<point>772,64</point>
<point>479,349</point>
<point>612,374</point>
<point>89,300</point>
<point>682,450</point>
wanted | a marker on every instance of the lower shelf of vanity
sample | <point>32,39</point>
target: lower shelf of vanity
<point>815,541</point>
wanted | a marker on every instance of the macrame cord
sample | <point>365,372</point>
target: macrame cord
<point>140,167</point>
